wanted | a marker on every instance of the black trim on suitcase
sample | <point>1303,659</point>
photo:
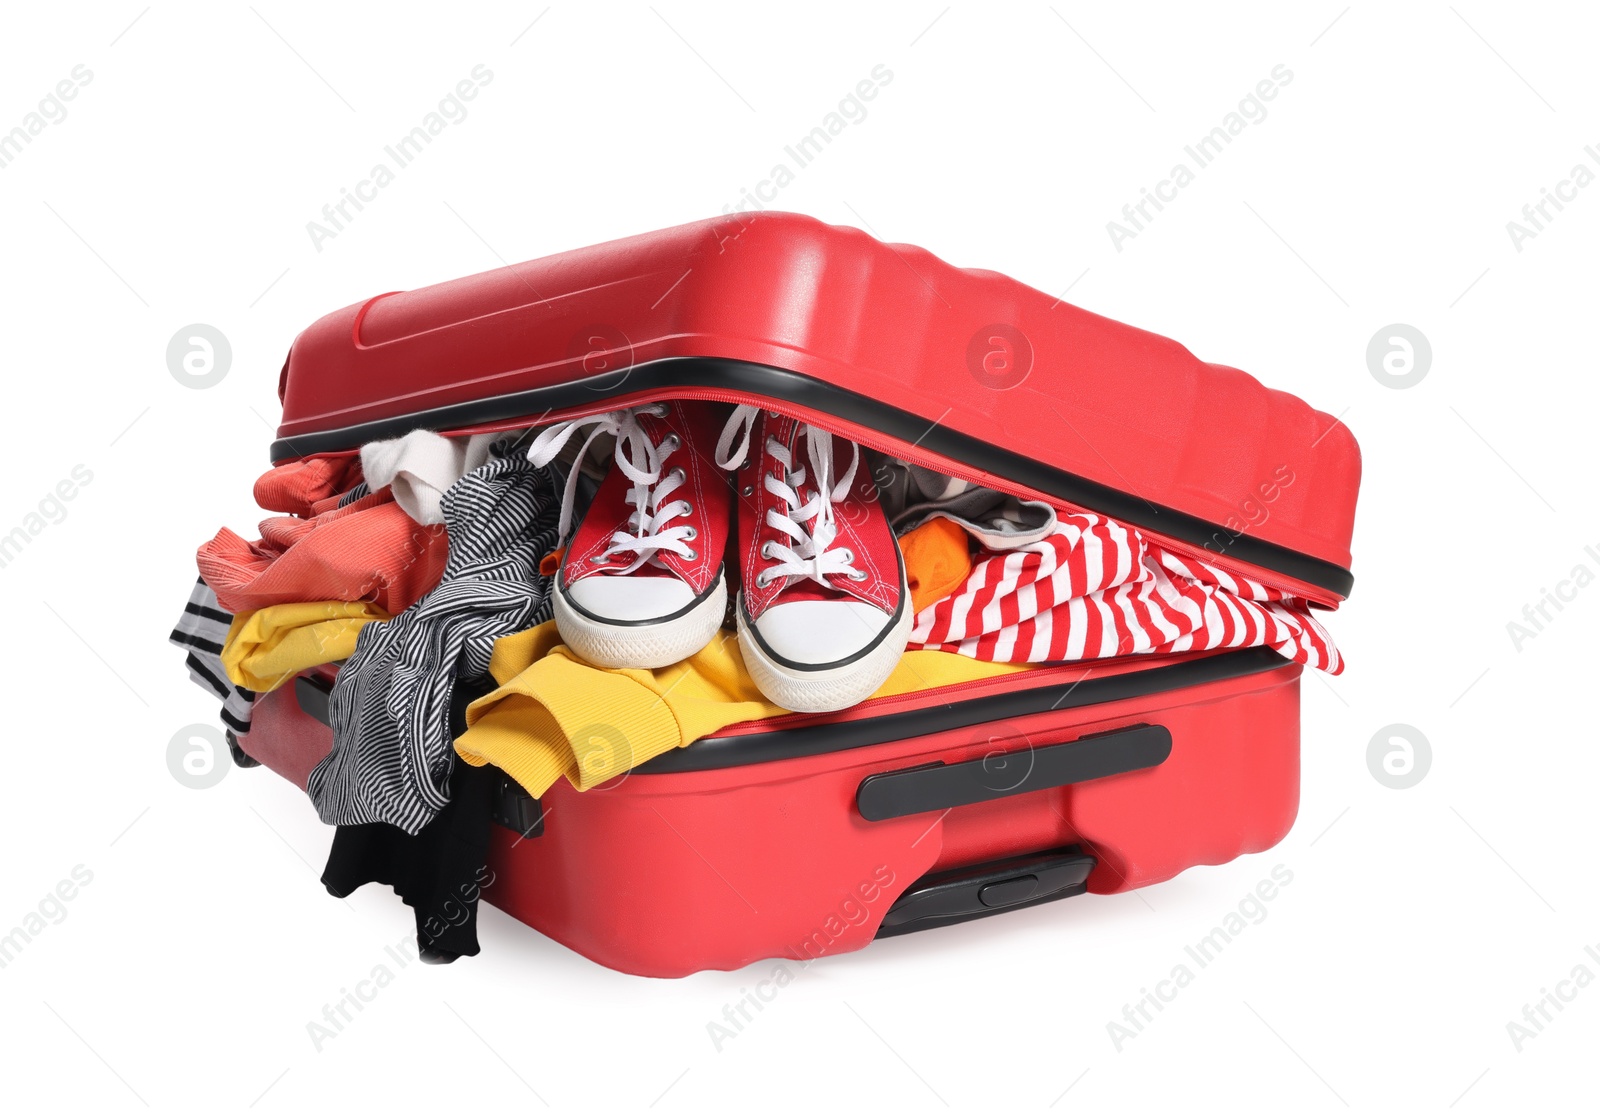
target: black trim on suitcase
<point>515,809</point>
<point>988,888</point>
<point>689,373</point>
<point>938,787</point>
<point>719,752</point>
<point>312,694</point>
<point>240,758</point>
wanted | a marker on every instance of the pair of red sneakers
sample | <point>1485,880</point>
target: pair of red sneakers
<point>782,509</point>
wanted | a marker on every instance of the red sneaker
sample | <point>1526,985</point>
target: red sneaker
<point>823,611</point>
<point>641,583</point>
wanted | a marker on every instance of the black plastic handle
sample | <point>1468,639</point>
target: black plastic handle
<point>312,694</point>
<point>515,808</point>
<point>938,787</point>
<point>989,888</point>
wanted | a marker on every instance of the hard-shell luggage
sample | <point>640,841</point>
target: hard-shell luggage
<point>808,835</point>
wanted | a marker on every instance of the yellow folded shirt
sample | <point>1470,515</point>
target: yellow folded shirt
<point>555,714</point>
<point>266,647</point>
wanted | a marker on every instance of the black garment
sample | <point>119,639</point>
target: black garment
<point>440,872</point>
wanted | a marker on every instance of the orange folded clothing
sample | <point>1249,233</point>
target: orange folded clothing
<point>938,560</point>
<point>369,550</point>
<point>297,488</point>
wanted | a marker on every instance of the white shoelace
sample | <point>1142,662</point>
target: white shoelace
<point>812,554</point>
<point>642,461</point>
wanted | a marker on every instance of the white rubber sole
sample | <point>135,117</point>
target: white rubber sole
<point>642,645</point>
<point>825,690</point>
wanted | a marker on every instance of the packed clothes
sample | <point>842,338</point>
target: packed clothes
<point>938,557</point>
<point>201,631</point>
<point>268,647</point>
<point>1094,588</point>
<point>391,756</point>
<point>439,871</point>
<point>421,466</point>
<point>912,495</point>
<point>369,549</point>
<point>302,488</point>
<point>713,565</point>
<point>555,714</point>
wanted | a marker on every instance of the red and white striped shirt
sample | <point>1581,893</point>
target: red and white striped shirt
<point>1097,589</point>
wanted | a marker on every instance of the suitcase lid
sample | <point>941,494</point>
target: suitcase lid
<point>967,371</point>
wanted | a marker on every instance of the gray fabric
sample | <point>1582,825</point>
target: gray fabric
<point>390,707</point>
<point>911,495</point>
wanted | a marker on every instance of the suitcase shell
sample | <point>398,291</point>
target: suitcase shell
<point>811,835</point>
<point>884,342</point>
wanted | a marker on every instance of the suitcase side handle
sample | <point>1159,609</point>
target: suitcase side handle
<point>935,788</point>
<point>971,892</point>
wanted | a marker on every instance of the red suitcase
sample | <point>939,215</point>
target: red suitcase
<point>809,835</point>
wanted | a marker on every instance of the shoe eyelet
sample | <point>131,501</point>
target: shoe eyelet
<point>599,559</point>
<point>659,409</point>
<point>691,534</point>
<point>848,554</point>
<point>858,576</point>
<point>692,555</point>
<point>672,443</point>
<point>676,474</point>
<point>766,552</point>
<point>762,580</point>
<point>748,490</point>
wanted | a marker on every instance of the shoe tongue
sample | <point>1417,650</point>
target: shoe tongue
<point>655,429</point>
<point>658,429</point>
<point>804,588</point>
<point>792,434</point>
<point>648,569</point>
<point>799,445</point>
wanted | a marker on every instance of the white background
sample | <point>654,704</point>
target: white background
<point>1377,190</point>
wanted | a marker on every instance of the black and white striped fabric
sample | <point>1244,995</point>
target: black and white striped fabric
<point>201,630</point>
<point>390,708</point>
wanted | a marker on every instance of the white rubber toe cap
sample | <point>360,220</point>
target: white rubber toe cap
<point>821,632</point>
<point>645,629</point>
<point>631,599</point>
<point>837,653</point>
